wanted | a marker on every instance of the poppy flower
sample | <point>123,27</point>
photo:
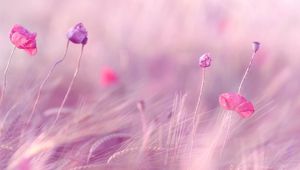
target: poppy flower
<point>237,103</point>
<point>205,60</point>
<point>23,39</point>
<point>78,34</point>
<point>108,76</point>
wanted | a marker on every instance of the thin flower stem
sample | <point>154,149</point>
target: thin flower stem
<point>5,74</point>
<point>195,119</point>
<point>45,81</point>
<point>246,72</point>
<point>70,86</point>
<point>200,94</point>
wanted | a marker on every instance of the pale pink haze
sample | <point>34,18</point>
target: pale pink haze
<point>78,34</point>
<point>205,60</point>
<point>24,165</point>
<point>236,102</point>
<point>23,39</point>
<point>108,76</point>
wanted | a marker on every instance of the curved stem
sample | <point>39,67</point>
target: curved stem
<point>5,74</point>
<point>70,86</point>
<point>195,120</point>
<point>200,94</point>
<point>246,72</point>
<point>45,81</point>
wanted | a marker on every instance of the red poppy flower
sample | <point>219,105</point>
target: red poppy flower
<point>23,39</point>
<point>237,103</point>
<point>108,77</point>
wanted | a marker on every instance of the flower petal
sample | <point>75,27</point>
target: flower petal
<point>230,101</point>
<point>245,109</point>
<point>237,103</point>
<point>32,51</point>
<point>23,39</point>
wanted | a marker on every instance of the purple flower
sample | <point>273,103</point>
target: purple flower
<point>205,60</point>
<point>78,34</point>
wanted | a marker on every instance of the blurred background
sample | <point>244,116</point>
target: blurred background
<point>160,41</point>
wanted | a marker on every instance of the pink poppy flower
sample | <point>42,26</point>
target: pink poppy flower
<point>205,60</point>
<point>237,103</point>
<point>78,34</point>
<point>23,39</point>
<point>108,76</point>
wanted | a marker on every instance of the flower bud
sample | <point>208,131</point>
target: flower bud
<point>78,34</point>
<point>255,46</point>
<point>205,60</point>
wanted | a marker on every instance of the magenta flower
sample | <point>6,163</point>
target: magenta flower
<point>23,39</point>
<point>237,103</point>
<point>205,60</point>
<point>78,34</point>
